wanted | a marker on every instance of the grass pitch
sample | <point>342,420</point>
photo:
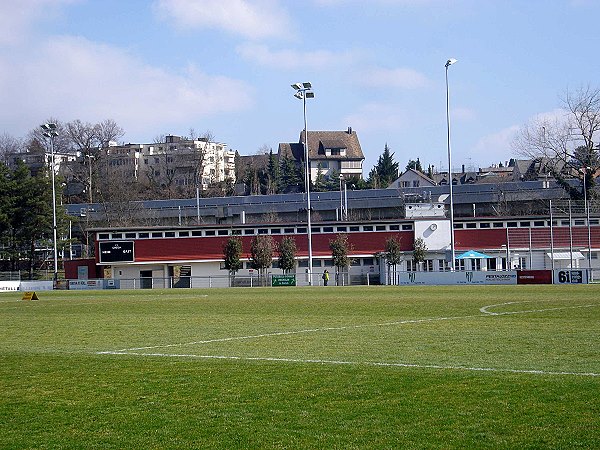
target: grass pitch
<point>360,367</point>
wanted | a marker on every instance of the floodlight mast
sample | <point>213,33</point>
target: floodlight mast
<point>50,132</point>
<point>303,91</point>
<point>452,246</point>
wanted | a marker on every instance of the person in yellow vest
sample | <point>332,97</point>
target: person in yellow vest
<point>325,277</point>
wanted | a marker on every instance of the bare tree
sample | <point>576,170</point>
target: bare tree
<point>9,144</point>
<point>564,146</point>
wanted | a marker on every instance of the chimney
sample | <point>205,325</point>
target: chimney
<point>463,168</point>
<point>349,130</point>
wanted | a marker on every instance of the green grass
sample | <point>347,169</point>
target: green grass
<point>364,367</point>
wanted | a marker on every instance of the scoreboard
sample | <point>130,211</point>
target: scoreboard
<point>116,251</point>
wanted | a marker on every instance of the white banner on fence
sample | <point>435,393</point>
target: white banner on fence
<point>449,278</point>
<point>79,285</point>
<point>9,286</point>
<point>37,285</point>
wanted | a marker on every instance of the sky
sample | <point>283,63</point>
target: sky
<point>161,67</point>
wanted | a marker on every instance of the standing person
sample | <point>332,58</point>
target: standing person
<point>325,277</point>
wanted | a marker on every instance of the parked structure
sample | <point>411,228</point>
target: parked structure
<point>330,152</point>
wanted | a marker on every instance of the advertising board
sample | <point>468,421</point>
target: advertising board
<point>450,278</point>
<point>571,276</point>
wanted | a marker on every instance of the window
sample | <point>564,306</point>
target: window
<point>411,265</point>
<point>355,262</point>
<point>415,183</point>
<point>380,228</point>
<point>491,263</point>
<point>405,184</point>
<point>394,227</point>
<point>303,263</point>
<point>263,231</point>
<point>443,265</point>
<point>328,263</point>
<point>301,230</point>
<point>539,223</point>
<point>565,223</point>
<point>458,225</point>
<point>327,229</point>
<point>525,224</point>
<point>315,230</point>
<point>209,233</point>
<point>143,235</point>
<point>248,231</point>
<point>354,229</point>
<point>579,222</point>
<point>428,265</point>
<point>117,236</point>
<point>407,227</point>
<point>276,231</point>
<point>184,234</point>
<point>485,225</point>
<point>197,233</point>
<point>169,234</point>
<point>103,236</point>
<point>223,232</point>
<point>498,225</point>
<point>367,228</point>
<point>288,231</point>
<point>157,234</point>
<point>236,232</point>
<point>342,229</point>
<point>471,225</point>
<point>511,224</point>
<point>594,221</point>
<point>368,261</point>
<point>130,235</point>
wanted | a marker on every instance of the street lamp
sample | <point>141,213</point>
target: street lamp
<point>587,214</point>
<point>50,132</point>
<point>303,91</point>
<point>448,64</point>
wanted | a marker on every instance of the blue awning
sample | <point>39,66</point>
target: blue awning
<point>472,254</point>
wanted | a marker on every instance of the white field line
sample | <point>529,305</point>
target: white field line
<point>137,351</point>
<point>354,363</point>
<point>287,333</point>
<point>484,309</point>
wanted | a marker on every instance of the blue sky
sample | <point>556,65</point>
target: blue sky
<point>225,66</point>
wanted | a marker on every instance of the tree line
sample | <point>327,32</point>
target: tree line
<point>263,248</point>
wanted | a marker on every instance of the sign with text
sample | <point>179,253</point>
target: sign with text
<point>571,276</point>
<point>460,277</point>
<point>116,251</point>
<point>283,280</point>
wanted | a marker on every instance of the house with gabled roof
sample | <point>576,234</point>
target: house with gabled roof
<point>412,178</point>
<point>329,153</point>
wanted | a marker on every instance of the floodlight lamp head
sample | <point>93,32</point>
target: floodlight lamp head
<point>297,86</point>
<point>307,85</point>
<point>48,126</point>
<point>309,94</point>
<point>299,95</point>
<point>450,62</point>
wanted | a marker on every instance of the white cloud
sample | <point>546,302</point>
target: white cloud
<point>253,19</point>
<point>73,78</point>
<point>381,2</point>
<point>378,117</point>
<point>20,17</point>
<point>402,78</point>
<point>496,145</point>
<point>291,59</point>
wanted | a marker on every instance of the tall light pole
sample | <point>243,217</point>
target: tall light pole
<point>452,249</point>
<point>303,91</point>
<point>50,132</point>
<point>587,214</point>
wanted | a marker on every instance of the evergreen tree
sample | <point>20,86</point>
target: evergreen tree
<point>232,252</point>
<point>287,254</point>
<point>340,247</point>
<point>274,180</point>
<point>261,250</point>
<point>393,253</point>
<point>386,170</point>
<point>290,175</point>
<point>415,165</point>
